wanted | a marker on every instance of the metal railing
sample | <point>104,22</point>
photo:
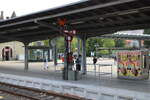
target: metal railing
<point>99,69</point>
<point>96,70</point>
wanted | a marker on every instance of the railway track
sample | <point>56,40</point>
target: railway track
<point>35,94</point>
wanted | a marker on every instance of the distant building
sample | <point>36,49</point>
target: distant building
<point>15,51</point>
<point>132,43</point>
<point>11,51</point>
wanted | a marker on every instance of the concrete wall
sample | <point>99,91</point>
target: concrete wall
<point>86,91</point>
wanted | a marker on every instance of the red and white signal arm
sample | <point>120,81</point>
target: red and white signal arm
<point>69,38</point>
<point>66,31</point>
<point>74,32</point>
<point>70,33</point>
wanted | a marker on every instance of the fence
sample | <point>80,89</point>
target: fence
<point>96,70</point>
<point>99,70</point>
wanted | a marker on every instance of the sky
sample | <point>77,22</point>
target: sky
<point>22,7</point>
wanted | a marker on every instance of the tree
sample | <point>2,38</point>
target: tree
<point>92,42</point>
<point>74,44</point>
<point>146,42</point>
<point>60,44</point>
<point>119,43</point>
<point>46,42</point>
<point>108,43</point>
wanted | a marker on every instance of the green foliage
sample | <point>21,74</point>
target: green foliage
<point>147,31</point>
<point>91,44</point>
<point>119,43</point>
<point>106,43</point>
<point>74,44</point>
<point>146,42</point>
<point>104,52</point>
<point>60,45</point>
<point>46,42</point>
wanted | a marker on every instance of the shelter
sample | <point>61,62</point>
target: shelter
<point>125,36</point>
<point>89,18</point>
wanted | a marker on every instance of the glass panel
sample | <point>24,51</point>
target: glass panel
<point>35,54</point>
<point>39,54</point>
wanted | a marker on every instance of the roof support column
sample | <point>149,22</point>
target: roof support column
<point>78,46</point>
<point>50,51</point>
<point>84,54</point>
<point>66,65</point>
<point>140,43</point>
<point>26,56</point>
<point>55,53</point>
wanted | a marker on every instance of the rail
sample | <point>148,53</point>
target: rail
<point>35,94</point>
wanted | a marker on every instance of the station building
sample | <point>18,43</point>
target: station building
<point>15,51</point>
<point>11,51</point>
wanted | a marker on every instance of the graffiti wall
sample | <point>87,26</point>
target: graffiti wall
<point>129,64</point>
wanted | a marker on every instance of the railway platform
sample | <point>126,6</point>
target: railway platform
<point>103,87</point>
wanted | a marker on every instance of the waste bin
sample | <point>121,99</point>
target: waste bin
<point>64,74</point>
<point>73,75</point>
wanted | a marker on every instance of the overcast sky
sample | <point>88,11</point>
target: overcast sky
<point>22,7</point>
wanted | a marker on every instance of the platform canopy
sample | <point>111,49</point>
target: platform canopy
<point>127,36</point>
<point>119,48</point>
<point>89,18</point>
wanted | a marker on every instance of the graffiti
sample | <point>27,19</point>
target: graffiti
<point>129,63</point>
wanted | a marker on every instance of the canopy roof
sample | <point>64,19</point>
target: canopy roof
<point>89,18</point>
<point>127,36</point>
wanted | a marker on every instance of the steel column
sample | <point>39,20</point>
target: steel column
<point>78,46</point>
<point>140,43</point>
<point>26,56</point>
<point>66,64</point>
<point>55,53</point>
<point>84,55</point>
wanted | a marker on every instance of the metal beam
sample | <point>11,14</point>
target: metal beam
<point>116,28</point>
<point>99,33</point>
<point>41,37</point>
<point>113,22</point>
<point>113,3</point>
<point>18,30</point>
<point>117,13</point>
<point>34,33</point>
<point>48,25</point>
<point>9,38</point>
<point>81,26</point>
<point>102,5</point>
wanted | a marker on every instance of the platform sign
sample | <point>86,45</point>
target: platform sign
<point>129,64</point>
